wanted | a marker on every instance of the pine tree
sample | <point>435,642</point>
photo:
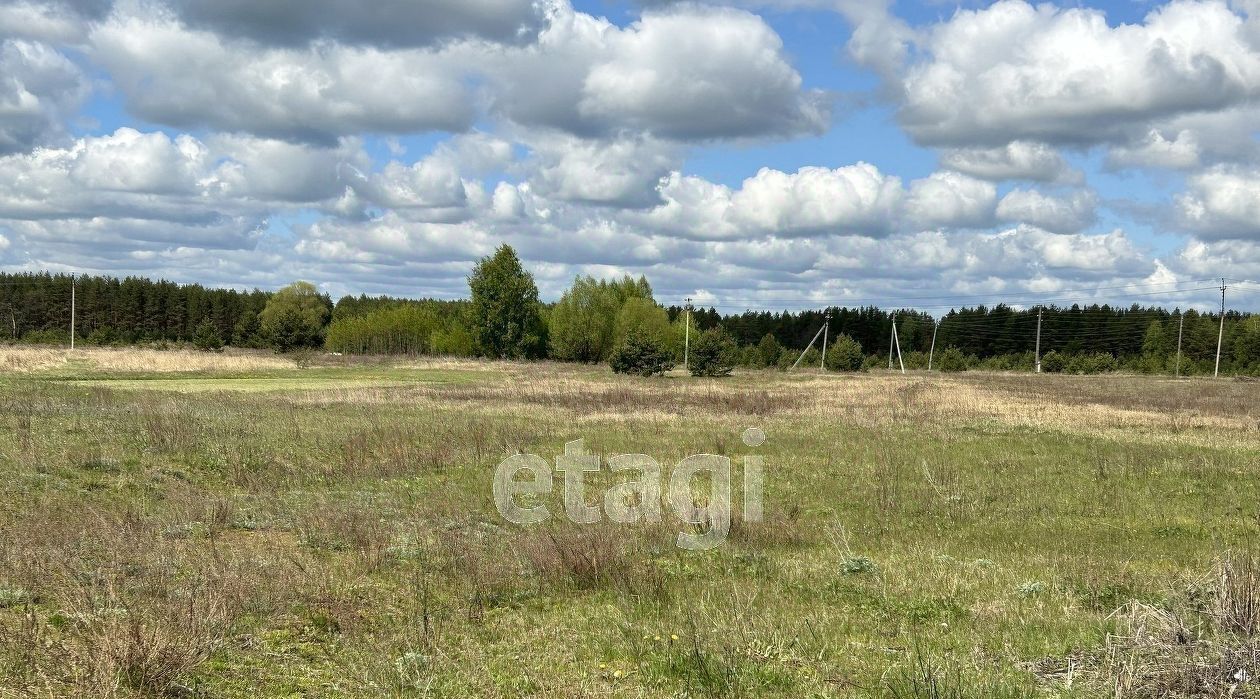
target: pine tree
<point>713,353</point>
<point>207,338</point>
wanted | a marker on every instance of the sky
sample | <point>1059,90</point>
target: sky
<point>775,154</point>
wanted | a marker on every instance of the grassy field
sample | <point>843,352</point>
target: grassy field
<point>194,525</point>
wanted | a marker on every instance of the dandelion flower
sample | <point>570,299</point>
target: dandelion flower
<point>617,674</point>
<point>673,637</point>
<point>656,638</point>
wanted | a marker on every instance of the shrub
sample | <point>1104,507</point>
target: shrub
<point>750,357</point>
<point>952,360</point>
<point>845,355</point>
<point>769,350</point>
<point>46,337</point>
<point>103,337</point>
<point>1053,362</point>
<point>713,353</point>
<point>812,358</point>
<point>643,354</point>
<point>206,338</point>
<point>915,360</point>
<point>1097,363</point>
<point>453,340</point>
<point>1013,361</point>
<point>786,359</point>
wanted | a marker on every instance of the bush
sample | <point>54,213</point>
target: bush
<point>46,337</point>
<point>206,338</point>
<point>952,360</point>
<point>845,355</point>
<point>750,357</point>
<point>1052,362</point>
<point>1015,361</point>
<point>642,354</point>
<point>812,358</point>
<point>769,350</point>
<point>1097,363</point>
<point>453,340</point>
<point>713,353</point>
<point>915,360</point>
<point>786,359</point>
<point>103,337</point>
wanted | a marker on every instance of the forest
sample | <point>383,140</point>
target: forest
<point>503,317</point>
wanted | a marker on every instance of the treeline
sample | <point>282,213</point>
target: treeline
<point>35,307</point>
<point>594,318</point>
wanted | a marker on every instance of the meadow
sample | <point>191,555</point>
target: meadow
<point>184,524</point>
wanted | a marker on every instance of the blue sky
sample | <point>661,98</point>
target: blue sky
<point>765,153</point>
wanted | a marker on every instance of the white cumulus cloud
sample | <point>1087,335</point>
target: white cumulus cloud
<point>951,199</point>
<point>1059,214</point>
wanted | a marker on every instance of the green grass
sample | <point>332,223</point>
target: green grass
<point>330,532</point>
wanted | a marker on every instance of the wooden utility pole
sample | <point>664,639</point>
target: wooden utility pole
<point>687,336</point>
<point>822,364</point>
<point>891,340</point>
<point>1181,326</point>
<point>1037,351</point>
<point>1220,337</point>
<point>932,351</point>
<point>811,344</point>
<point>897,342</point>
<point>72,310</point>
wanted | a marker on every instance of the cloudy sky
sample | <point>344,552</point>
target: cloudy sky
<point>772,153</point>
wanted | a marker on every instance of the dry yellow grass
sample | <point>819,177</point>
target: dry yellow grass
<point>1219,414</point>
<point>131,359</point>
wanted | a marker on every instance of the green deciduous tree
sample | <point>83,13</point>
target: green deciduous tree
<point>405,329</point>
<point>504,310</point>
<point>642,315</point>
<point>582,323</point>
<point>593,316</point>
